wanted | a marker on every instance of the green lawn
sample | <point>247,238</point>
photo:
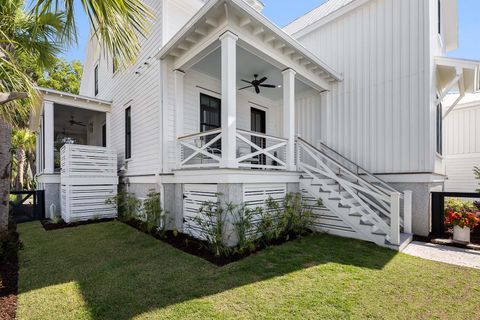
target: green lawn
<point>111,271</point>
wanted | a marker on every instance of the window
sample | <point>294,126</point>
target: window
<point>104,135</point>
<point>210,117</point>
<point>96,79</point>
<point>128,133</point>
<point>439,13</point>
<point>440,129</point>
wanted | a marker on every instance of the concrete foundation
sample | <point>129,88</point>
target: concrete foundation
<point>421,206</point>
<point>52,197</point>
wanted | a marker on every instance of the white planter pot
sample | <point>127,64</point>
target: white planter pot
<point>461,234</point>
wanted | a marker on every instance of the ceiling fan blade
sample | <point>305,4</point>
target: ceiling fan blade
<point>268,86</point>
<point>249,82</point>
<point>245,87</point>
<point>262,80</point>
<point>257,89</point>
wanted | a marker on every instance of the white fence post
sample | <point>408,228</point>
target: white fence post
<point>395,218</point>
<point>407,211</point>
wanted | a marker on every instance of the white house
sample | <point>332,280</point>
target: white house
<point>343,104</point>
<point>462,145</point>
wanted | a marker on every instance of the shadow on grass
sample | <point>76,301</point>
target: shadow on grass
<point>122,273</point>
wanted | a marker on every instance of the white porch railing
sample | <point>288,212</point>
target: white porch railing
<point>254,150</point>
<point>260,151</point>
<point>81,161</point>
<point>201,150</point>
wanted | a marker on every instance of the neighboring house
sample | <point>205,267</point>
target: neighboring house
<point>353,87</point>
<point>462,145</point>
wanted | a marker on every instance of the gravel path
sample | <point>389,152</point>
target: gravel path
<point>451,255</point>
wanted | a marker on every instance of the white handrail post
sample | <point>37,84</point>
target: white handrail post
<point>395,218</point>
<point>229,99</point>
<point>407,211</point>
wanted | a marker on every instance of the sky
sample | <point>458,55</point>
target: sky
<point>282,12</point>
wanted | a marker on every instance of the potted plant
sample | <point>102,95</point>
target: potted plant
<point>463,218</point>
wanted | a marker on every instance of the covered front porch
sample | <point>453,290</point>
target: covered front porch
<point>240,90</point>
<point>76,167</point>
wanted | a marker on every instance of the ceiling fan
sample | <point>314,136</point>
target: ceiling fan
<point>76,123</point>
<point>257,84</point>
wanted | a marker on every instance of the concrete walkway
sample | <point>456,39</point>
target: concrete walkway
<point>451,255</point>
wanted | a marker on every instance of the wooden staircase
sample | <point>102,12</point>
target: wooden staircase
<point>365,204</point>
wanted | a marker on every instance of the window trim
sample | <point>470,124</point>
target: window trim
<point>439,17</point>
<point>104,134</point>
<point>128,132</point>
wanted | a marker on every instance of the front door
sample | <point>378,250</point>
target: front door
<point>258,124</point>
<point>210,119</point>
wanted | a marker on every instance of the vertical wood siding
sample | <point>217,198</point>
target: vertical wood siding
<point>379,116</point>
<point>462,152</point>
<point>138,86</point>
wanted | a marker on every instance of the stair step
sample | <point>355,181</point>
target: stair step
<point>335,199</point>
<point>366,223</point>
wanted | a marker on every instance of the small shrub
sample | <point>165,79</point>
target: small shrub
<point>278,220</point>
<point>155,216</point>
<point>243,225</point>
<point>127,205</point>
<point>212,220</point>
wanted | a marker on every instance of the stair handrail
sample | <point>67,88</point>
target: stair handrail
<point>359,168</point>
<point>392,190</point>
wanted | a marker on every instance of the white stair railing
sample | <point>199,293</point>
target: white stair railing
<point>378,202</point>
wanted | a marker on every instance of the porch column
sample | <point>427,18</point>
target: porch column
<point>179,77</point>
<point>108,133</point>
<point>48,139</point>
<point>229,100</point>
<point>289,116</point>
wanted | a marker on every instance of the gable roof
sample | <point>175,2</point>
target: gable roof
<point>315,15</point>
<point>242,6</point>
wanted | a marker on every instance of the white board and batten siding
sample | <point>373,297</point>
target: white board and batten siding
<point>380,116</point>
<point>462,154</point>
<point>138,87</point>
<point>88,179</point>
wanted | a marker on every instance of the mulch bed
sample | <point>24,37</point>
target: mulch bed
<point>9,282</point>
<point>197,247</point>
<point>49,225</point>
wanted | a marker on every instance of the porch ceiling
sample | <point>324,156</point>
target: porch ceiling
<point>248,65</point>
<point>76,102</point>
<point>199,37</point>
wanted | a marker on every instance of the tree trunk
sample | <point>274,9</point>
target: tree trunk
<point>5,142</point>
<point>20,169</point>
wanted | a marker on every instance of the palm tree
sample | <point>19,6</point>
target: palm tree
<point>23,142</point>
<point>24,39</point>
<point>34,37</point>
